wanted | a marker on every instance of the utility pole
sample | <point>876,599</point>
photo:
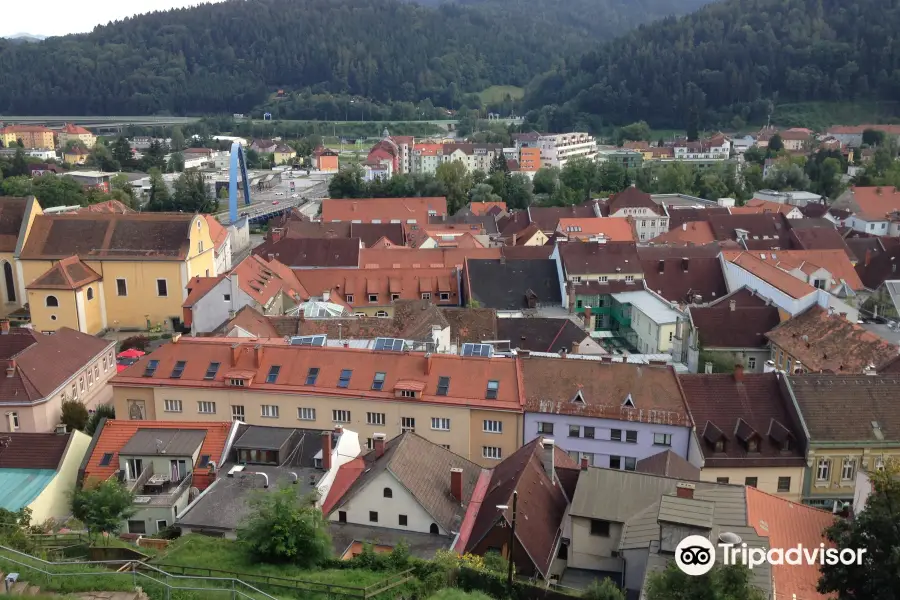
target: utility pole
<point>512,541</point>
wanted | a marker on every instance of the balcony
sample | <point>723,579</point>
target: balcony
<point>158,489</point>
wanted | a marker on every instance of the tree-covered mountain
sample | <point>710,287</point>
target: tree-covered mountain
<point>231,56</point>
<point>727,60</point>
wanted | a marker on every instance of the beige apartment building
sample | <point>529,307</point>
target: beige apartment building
<point>470,405</point>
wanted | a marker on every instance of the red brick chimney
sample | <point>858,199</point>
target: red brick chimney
<point>258,354</point>
<point>302,315</point>
<point>235,354</point>
<point>326,450</point>
<point>277,234</point>
<point>739,373</point>
<point>456,483</point>
<point>4,327</point>
<point>685,490</point>
<point>379,444</point>
<point>428,363</point>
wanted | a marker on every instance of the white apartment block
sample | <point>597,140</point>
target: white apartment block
<point>717,148</point>
<point>558,148</point>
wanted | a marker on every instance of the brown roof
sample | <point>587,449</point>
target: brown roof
<point>764,231</point>
<point>820,238</point>
<point>421,258</point>
<point>254,322</point>
<point>369,233</point>
<point>44,362</point>
<point>471,324</point>
<point>879,260</point>
<point>690,233</point>
<point>593,258</point>
<point>596,389</point>
<point>530,252</point>
<point>678,215</point>
<point>423,469</point>
<point>842,408</point>
<point>385,210</point>
<point>724,407</point>
<point>679,277</point>
<point>12,212</point>
<point>739,320</point>
<point>34,450</point>
<point>771,274</point>
<point>631,197</point>
<point>541,509</point>
<point>413,320</point>
<point>311,252</point>
<point>547,217</point>
<point>830,343</point>
<point>668,464</point>
<point>67,274</point>
<point>406,283</point>
<point>110,236</point>
<point>541,334</point>
<point>524,236</point>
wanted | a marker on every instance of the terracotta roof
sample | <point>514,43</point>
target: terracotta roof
<point>421,258</point>
<point>541,334</point>
<point>262,280</point>
<point>346,475</point>
<point>689,233</point>
<point>254,322</point>
<point>830,343</point>
<point>311,252</point>
<point>407,283</point>
<point>632,197</point>
<point>198,287</point>
<point>218,233</point>
<point>512,284</point>
<point>842,408</point>
<point>44,362</point>
<point>522,237</point>
<point>67,274</point>
<point>367,210</point>
<point>720,403</point>
<point>679,215</point>
<point>480,208</point>
<point>115,434</point>
<point>677,276</point>
<point>856,129</point>
<point>788,524</point>
<point>755,206</point>
<point>596,389</point>
<point>739,320</point>
<point>668,464</point>
<point>614,229</point>
<point>12,212</point>
<point>768,272</point>
<point>423,469</point>
<point>72,129</point>
<point>34,450</point>
<point>471,324</point>
<point>25,129</point>
<point>109,206</point>
<point>547,217</point>
<point>469,376</point>
<point>597,259</point>
<point>834,261</point>
<point>871,203</point>
<point>540,514</point>
<point>137,236</point>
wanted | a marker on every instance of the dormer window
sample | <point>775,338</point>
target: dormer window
<point>752,445</point>
<point>720,446</point>
<point>236,382</point>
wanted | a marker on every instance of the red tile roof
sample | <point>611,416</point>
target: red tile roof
<point>469,376</point>
<point>385,210</point>
<point>218,233</point>
<point>25,129</point>
<point>614,229</point>
<point>115,433</point>
<point>768,272</point>
<point>756,206</point>
<point>632,197</point>
<point>481,208</point>
<point>690,233</point>
<point>408,283</point>
<point>788,524</point>
<point>421,258</point>
<point>72,129</point>
<point>198,287</point>
<point>110,206</point>
<point>875,203</point>
<point>68,274</point>
<point>857,129</point>
<point>344,479</point>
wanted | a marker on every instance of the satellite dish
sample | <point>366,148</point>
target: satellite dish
<point>728,537</point>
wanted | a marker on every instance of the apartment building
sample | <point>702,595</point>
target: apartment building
<point>559,148</point>
<point>31,136</point>
<point>77,134</point>
<point>471,405</point>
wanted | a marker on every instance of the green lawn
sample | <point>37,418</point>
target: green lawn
<point>217,553</point>
<point>498,93</point>
<point>821,115</point>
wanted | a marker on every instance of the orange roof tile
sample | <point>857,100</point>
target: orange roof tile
<point>384,210</point>
<point>757,206</point>
<point>876,202</point>
<point>468,375</point>
<point>218,233</point>
<point>481,208</point>
<point>408,282</point>
<point>198,287</point>
<point>72,129</point>
<point>693,232</point>
<point>787,524</point>
<point>115,433</point>
<point>421,258</point>
<point>752,263</point>
<point>453,239</point>
<point>347,474</point>
<point>615,229</point>
<point>834,261</point>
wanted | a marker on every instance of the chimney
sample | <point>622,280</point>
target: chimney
<point>277,234</point>
<point>868,257</point>
<point>302,315</point>
<point>11,367</point>
<point>515,236</point>
<point>739,373</point>
<point>326,296</point>
<point>258,354</point>
<point>731,305</point>
<point>584,463</point>
<point>235,289</point>
<point>685,490</point>
<point>428,363</point>
<point>548,458</point>
<point>4,327</point>
<point>456,486</point>
<point>379,444</point>
<point>684,226</point>
<point>235,354</point>
<point>684,264</point>
<point>326,450</point>
<point>502,259</point>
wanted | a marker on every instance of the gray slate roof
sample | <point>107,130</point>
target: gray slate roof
<point>171,442</point>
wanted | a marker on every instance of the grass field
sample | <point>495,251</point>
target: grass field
<point>498,93</point>
<point>820,115</point>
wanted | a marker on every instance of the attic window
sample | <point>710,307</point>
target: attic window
<point>579,397</point>
<point>178,369</point>
<point>151,368</point>
<point>238,382</point>
<point>211,370</point>
<point>492,388</point>
<point>629,403</point>
<point>443,386</point>
<point>272,377</point>
<point>378,382</point>
<point>107,458</point>
<point>344,380</point>
<point>312,375</point>
<point>204,461</point>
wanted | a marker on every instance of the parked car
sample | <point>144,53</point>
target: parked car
<point>274,201</point>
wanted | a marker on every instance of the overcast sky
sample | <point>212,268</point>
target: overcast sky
<point>58,17</point>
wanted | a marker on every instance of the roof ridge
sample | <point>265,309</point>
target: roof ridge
<point>756,490</point>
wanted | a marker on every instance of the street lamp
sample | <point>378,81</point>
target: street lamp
<point>512,541</point>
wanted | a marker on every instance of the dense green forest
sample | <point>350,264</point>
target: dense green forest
<point>727,64</point>
<point>233,56</point>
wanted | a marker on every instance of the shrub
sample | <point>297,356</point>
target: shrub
<point>603,590</point>
<point>139,342</point>
<point>103,411</point>
<point>74,415</point>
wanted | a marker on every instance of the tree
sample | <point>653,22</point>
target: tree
<point>176,163</point>
<point>104,411</point>
<point>753,178</point>
<point>121,153</point>
<point>579,175</point>
<point>610,177</point>
<point>20,164</point>
<point>876,530</point>
<point>756,155</point>
<point>603,590</point>
<point>74,415</point>
<point>637,132</point>
<point>457,183</point>
<point>18,186</point>
<point>787,176</point>
<point>499,163</point>
<point>286,528</point>
<point>159,199</point>
<point>58,190</point>
<point>191,194</point>
<point>483,192</point>
<point>102,158</point>
<point>519,191</point>
<point>775,143</point>
<point>103,507</point>
<point>347,183</point>
<point>546,180</point>
<point>120,189</point>
<point>177,139</point>
<point>154,157</point>
<point>721,583</point>
<point>873,137</point>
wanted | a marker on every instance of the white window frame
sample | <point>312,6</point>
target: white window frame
<point>173,406</point>
<point>426,295</point>
<point>751,362</point>
<point>348,298</point>
<point>492,426</point>
<point>14,421</point>
<point>492,452</point>
<point>440,423</point>
<point>205,407</point>
<point>823,470</point>
<point>375,418</point>
<point>269,411</point>
<point>408,424</point>
<point>238,413</point>
<point>848,469</point>
<point>340,416</point>
<point>444,296</point>
<point>305,413</point>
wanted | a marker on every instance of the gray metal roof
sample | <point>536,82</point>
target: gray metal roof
<point>171,442</point>
<point>641,530</point>
<point>617,496</point>
<point>263,438</point>
<point>686,511</point>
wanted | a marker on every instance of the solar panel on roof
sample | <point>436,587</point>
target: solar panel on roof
<point>485,350</point>
<point>389,344</point>
<point>309,340</point>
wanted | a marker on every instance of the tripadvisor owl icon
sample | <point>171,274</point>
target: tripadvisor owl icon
<point>695,555</point>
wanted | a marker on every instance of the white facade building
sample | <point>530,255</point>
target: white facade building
<point>559,148</point>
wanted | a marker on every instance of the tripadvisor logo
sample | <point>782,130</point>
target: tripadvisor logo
<point>695,555</point>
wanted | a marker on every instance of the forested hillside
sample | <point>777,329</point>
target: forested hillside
<point>731,59</point>
<point>230,57</point>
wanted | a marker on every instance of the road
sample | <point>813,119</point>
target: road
<point>310,190</point>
